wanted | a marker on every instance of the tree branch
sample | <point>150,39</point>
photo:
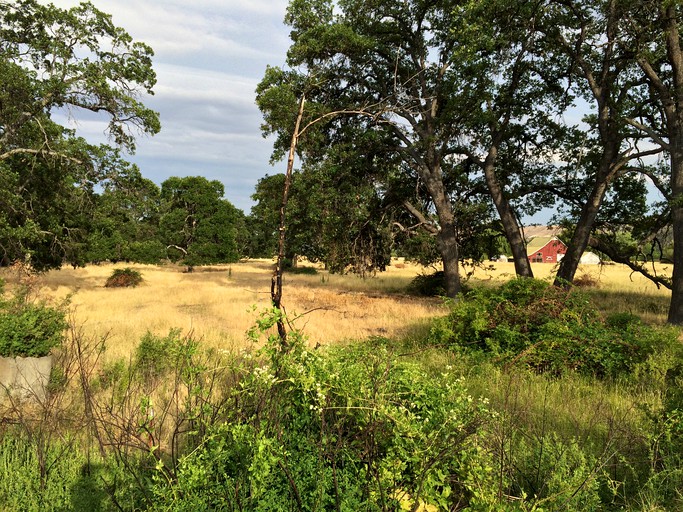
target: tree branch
<point>27,151</point>
<point>650,133</point>
<point>427,224</point>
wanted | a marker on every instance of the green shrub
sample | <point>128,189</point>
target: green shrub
<point>155,356</point>
<point>61,475</point>
<point>428,285</point>
<point>555,474</point>
<point>124,277</point>
<point>309,271</point>
<point>548,329</point>
<point>24,487</point>
<point>29,329</point>
<point>353,429</point>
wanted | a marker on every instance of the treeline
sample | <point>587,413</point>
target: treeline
<point>429,128</point>
<point>186,221</point>
<point>65,200</point>
<point>467,116</point>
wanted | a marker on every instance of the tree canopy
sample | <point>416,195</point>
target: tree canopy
<point>196,223</point>
<point>56,63</point>
<point>475,104</point>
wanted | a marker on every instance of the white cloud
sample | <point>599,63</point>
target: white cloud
<point>209,57</point>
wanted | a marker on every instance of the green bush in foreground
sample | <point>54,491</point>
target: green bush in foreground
<point>372,426</point>
<point>29,329</point>
<point>549,329</point>
<point>353,429</point>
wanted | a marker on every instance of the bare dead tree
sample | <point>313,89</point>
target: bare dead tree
<point>276,282</point>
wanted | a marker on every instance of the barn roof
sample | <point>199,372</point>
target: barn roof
<point>540,242</point>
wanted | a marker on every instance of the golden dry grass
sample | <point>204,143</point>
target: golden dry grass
<point>216,304</point>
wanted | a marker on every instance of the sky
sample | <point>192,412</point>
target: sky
<point>209,57</point>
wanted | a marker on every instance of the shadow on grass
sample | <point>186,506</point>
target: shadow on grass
<point>88,493</point>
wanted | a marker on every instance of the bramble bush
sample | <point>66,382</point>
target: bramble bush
<point>353,429</point>
<point>123,277</point>
<point>548,329</point>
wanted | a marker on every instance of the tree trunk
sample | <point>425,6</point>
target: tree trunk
<point>673,108</point>
<point>602,80</point>
<point>447,242</point>
<point>447,238</point>
<point>513,232</point>
<point>676,304</point>
<point>579,242</point>
<point>276,280</point>
<point>610,163</point>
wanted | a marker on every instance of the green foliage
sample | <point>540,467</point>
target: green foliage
<point>29,329</point>
<point>354,429</point>
<point>110,80</point>
<point>73,478</point>
<point>428,285</point>
<point>333,215</point>
<point>555,473</point>
<point>549,329</point>
<point>27,490</point>
<point>156,356</point>
<point>375,425</point>
<point>197,225</point>
<point>125,221</point>
<point>124,277</point>
<point>47,172</point>
<point>309,271</point>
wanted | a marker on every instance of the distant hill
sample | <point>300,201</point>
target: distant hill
<point>537,231</point>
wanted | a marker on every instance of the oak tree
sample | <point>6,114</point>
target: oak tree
<point>54,64</point>
<point>197,225</point>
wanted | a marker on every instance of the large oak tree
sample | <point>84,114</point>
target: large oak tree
<point>655,41</point>
<point>392,63</point>
<point>56,63</point>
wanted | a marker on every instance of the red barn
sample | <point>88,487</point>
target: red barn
<point>545,249</point>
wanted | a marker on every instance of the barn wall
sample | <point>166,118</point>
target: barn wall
<point>549,252</point>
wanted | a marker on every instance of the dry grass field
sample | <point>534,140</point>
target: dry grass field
<point>218,304</point>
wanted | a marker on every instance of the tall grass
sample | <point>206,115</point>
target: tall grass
<point>560,442</point>
<point>216,304</point>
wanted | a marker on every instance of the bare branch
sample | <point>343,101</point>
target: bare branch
<point>424,222</point>
<point>364,111</point>
<point>650,132</point>
<point>177,247</point>
<point>42,152</point>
